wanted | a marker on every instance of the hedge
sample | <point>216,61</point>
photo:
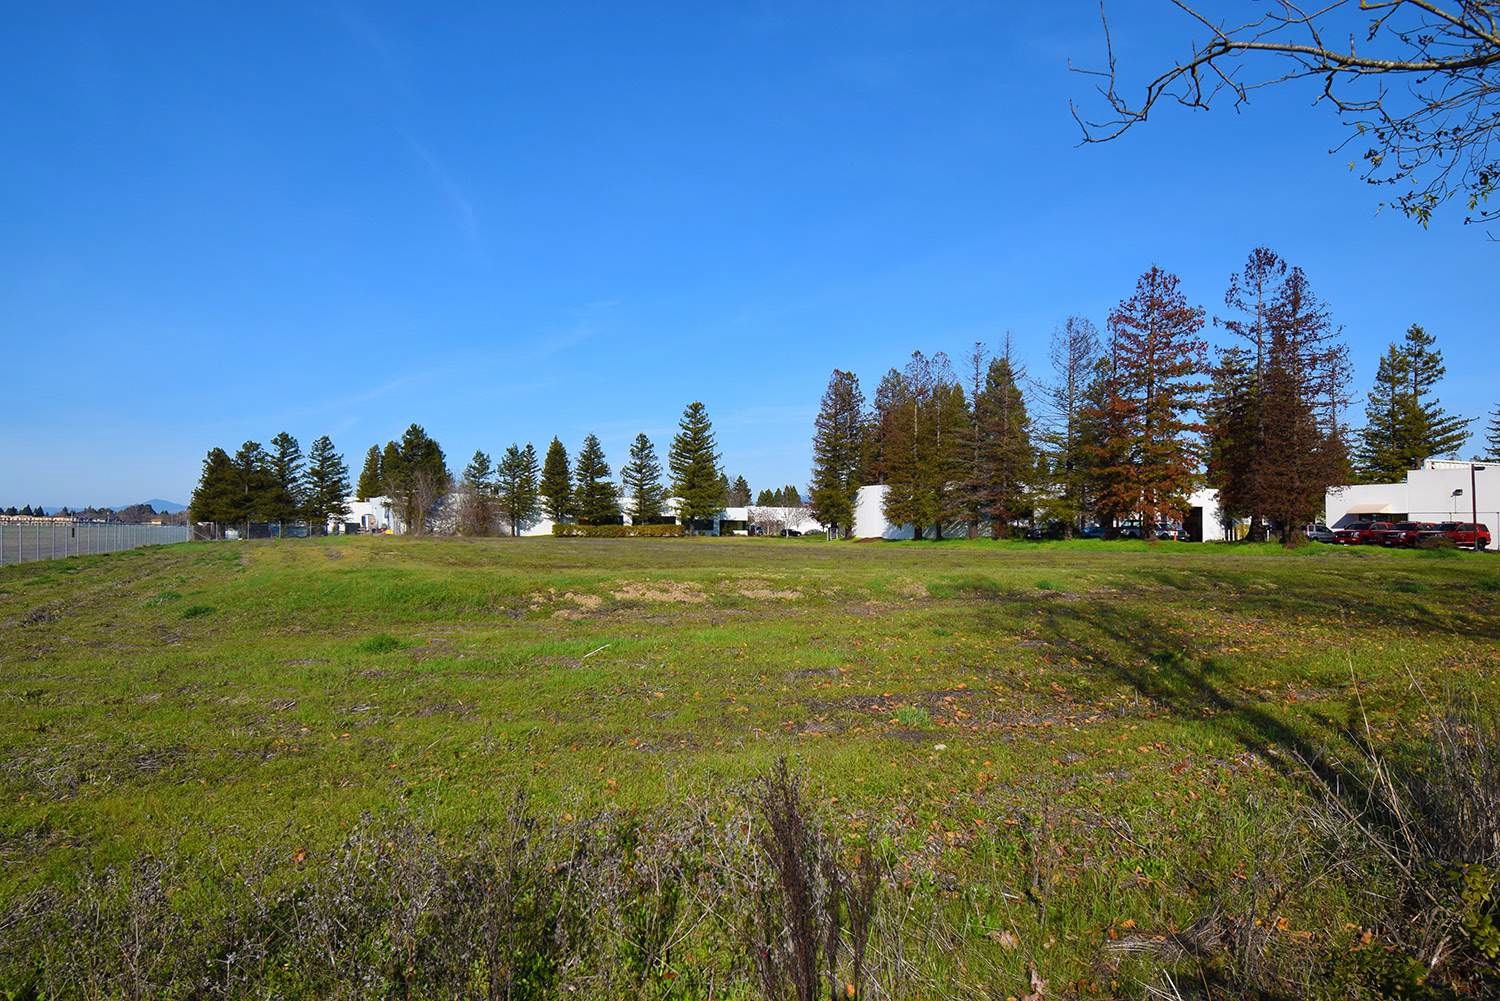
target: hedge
<point>618,531</point>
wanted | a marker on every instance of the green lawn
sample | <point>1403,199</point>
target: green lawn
<point>1153,711</point>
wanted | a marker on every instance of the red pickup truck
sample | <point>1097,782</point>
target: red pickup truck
<point>1361,533</point>
<point>1465,534</point>
<point>1404,533</point>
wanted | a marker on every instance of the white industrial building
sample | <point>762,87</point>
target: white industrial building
<point>1442,490</point>
<point>380,514</point>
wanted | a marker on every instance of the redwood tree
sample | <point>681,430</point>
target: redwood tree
<point>1155,390</point>
<point>1006,460</point>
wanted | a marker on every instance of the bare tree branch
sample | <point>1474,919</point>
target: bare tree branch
<point>1432,133</point>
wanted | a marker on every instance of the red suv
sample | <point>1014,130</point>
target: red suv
<point>1403,533</point>
<point>1462,533</point>
<point>1361,533</point>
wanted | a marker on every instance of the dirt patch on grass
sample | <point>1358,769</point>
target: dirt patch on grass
<point>661,591</point>
<point>769,594</point>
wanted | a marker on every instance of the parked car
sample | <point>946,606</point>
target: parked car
<point>1461,533</point>
<point>1361,533</point>
<point>1092,532</point>
<point>1320,533</point>
<point>1403,533</point>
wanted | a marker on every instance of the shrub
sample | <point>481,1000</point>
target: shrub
<point>618,531</point>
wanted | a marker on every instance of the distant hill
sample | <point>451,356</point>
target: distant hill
<point>156,504</point>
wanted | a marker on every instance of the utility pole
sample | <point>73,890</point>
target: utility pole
<point>1474,503</point>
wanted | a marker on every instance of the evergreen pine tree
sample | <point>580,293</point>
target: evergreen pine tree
<point>557,483</point>
<point>1006,460</point>
<point>213,498</point>
<point>1300,456</point>
<point>287,468</point>
<point>255,492</point>
<point>594,496</point>
<point>478,473</point>
<point>1404,422</point>
<point>325,485</point>
<point>1074,352</point>
<point>739,492</point>
<point>423,477</point>
<point>519,487</point>
<point>1385,447</point>
<point>1232,420</point>
<point>765,499</point>
<point>1441,433</point>
<point>838,452</point>
<point>476,487</point>
<point>371,483</point>
<point>696,480</point>
<point>641,478</point>
<point>1492,435</point>
<point>392,472</point>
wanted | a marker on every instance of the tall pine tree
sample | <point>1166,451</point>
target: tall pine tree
<point>286,467</point>
<point>256,494</point>
<point>476,495</point>
<point>697,481</point>
<point>557,483</point>
<point>371,482</point>
<point>325,485</point>
<point>641,478</point>
<point>739,492</point>
<point>838,451</point>
<point>519,486</point>
<point>1074,353</point>
<point>214,498</point>
<point>594,496</point>
<point>424,477</point>
<point>1300,456</point>
<point>1404,422</point>
<point>1005,458</point>
<point>1492,435</point>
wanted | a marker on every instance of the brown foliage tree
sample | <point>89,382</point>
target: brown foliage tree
<point>1148,452</point>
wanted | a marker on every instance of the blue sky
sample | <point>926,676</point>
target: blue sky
<point>221,221</point>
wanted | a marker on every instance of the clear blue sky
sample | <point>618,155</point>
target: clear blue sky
<point>221,221</point>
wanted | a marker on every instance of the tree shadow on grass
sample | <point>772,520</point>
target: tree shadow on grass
<point>1137,650</point>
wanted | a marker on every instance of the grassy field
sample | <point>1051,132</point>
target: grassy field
<point>1060,743</point>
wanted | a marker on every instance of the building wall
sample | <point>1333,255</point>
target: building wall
<point>1428,494</point>
<point>869,517</point>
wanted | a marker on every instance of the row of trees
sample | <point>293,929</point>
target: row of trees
<point>519,488</point>
<point>27,512</point>
<point>279,484</point>
<point>1131,423</point>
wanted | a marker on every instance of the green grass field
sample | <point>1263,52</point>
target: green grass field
<point>1153,712</point>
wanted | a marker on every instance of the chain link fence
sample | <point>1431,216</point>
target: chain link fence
<point>53,539</point>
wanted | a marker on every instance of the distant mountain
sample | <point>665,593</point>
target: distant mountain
<point>165,506</point>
